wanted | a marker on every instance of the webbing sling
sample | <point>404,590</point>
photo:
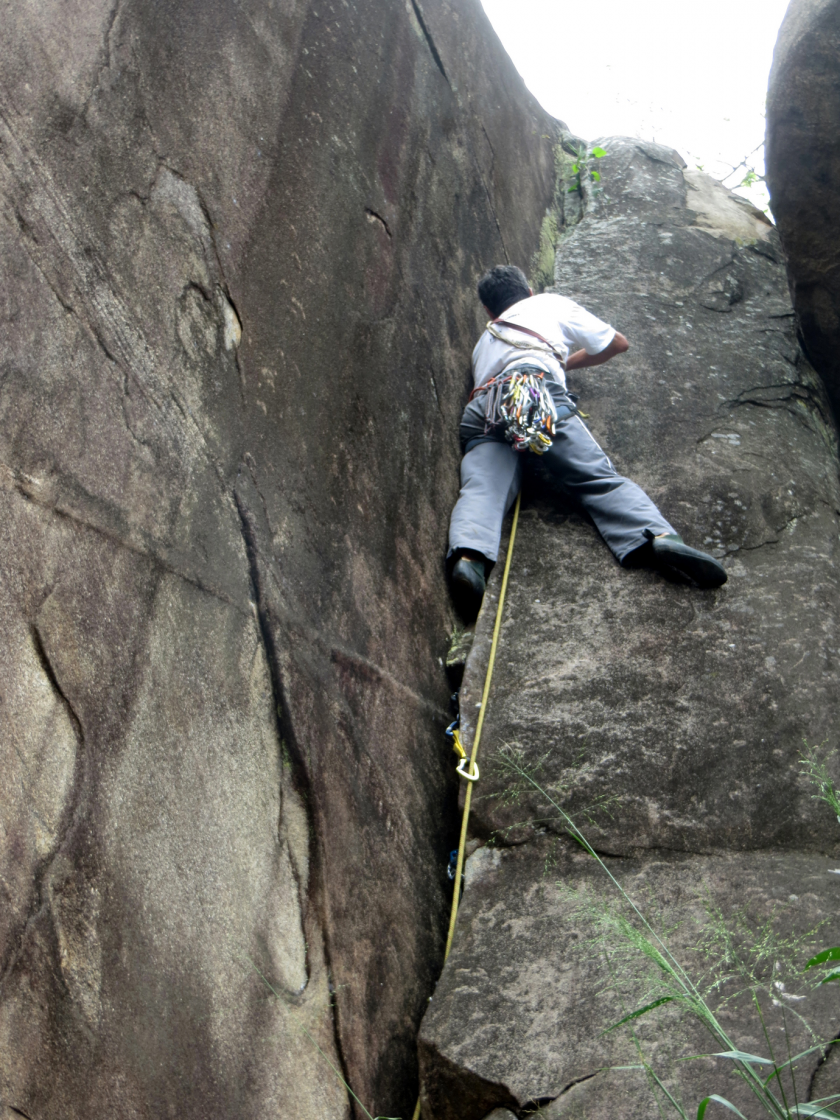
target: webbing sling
<point>524,330</point>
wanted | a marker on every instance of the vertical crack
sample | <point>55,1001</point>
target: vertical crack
<point>430,41</point>
<point>285,729</point>
<point>280,708</point>
<point>69,818</point>
<point>827,1053</point>
<point>49,673</point>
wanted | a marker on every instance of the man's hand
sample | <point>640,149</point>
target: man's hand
<point>580,359</point>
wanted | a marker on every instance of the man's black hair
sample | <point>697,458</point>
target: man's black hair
<point>501,287</point>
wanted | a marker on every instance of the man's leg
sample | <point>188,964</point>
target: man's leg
<point>490,478</point>
<point>627,519</point>
<point>623,513</point>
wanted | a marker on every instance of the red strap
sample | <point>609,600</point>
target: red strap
<point>527,330</point>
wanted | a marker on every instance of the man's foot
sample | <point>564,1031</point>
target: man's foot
<point>672,553</point>
<point>468,584</point>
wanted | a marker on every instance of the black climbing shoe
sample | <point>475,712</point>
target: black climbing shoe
<point>673,554</point>
<point>468,583</point>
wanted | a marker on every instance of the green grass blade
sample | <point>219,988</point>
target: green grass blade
<point>825,955</point>
<point>832,1098</point>
<point>815,1110</point>
<point>741,1056</point>
<point>803,1054</point>
<point>651,1072</point>
<point>337,1072</point>
<point>638,1014</point>
<point>701,1111</point>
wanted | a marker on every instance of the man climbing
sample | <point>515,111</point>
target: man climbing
<point>520,404</point>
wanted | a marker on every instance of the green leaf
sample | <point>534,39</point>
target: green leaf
<point>835,975</point>
<point>832,1099</point>
<point>740,1056</point>
<point>575,168</point>
<point>825,955</point>
<point>598,152</point>
<point>572,190</point>
<point>701,1111</point>
<point>596,175</point>
<point>796,1057</point>
<point>813,1110</point>
<point>640,1012</point>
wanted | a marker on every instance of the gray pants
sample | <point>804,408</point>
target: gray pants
<point>491,474</point>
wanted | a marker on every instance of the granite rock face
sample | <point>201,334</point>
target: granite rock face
<point>667,721</point>
<point>239,245</point>
<point>525,998</point>
<point>803,173</point>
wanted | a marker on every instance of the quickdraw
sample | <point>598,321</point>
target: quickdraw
<point>521,402</point>
<point>469,775</point>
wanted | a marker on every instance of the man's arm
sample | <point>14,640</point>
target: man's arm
<point>580,359</point>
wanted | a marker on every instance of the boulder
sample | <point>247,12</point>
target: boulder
<point>522,1015</point>
<point>692,706</point>
<point>666,722</point>
<point>802,158</point>
<point>240,242</point>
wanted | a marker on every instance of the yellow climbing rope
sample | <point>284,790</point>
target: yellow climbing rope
<point>472,774</point>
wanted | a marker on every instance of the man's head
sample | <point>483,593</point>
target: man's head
<point>501,287</point>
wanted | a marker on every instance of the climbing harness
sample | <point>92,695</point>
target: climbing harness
<point>521,403</point>
<point>471,774</point>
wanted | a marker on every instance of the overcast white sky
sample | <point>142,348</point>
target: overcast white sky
<point>687,74</point>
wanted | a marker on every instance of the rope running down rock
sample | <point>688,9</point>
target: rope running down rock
<point>472,773</point>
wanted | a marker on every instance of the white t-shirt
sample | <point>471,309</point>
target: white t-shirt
<point>566,325</point>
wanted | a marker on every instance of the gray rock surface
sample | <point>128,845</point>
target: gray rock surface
<point>691,706</point>
<point>802,158</point>
<point>239,245</point>
<point>664,719</point>
<point>525,998</point>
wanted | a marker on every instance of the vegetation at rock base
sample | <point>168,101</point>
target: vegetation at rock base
<point>736,958</point>
<point>815,768</point>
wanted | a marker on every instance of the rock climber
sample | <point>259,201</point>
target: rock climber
<point>520,405</point>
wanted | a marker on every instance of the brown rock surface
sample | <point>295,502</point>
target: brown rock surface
<point>666,720</point>
<point>239,244</point>
<point>803,173</point>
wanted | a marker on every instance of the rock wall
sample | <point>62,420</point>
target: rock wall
<point>667,721</point>
<point>240,242</point>
<point>803,173</point>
